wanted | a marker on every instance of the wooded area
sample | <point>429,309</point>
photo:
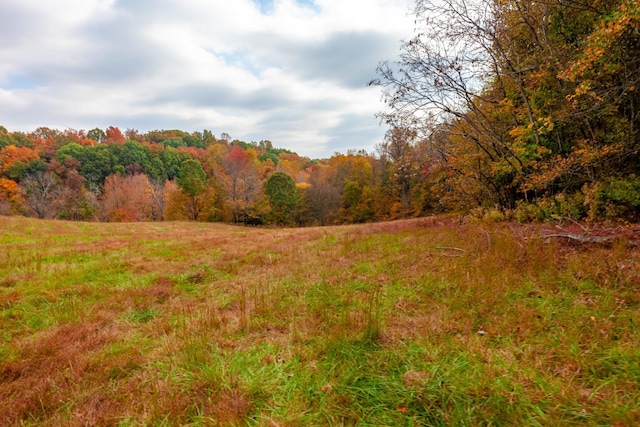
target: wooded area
<point>525,105</point>
<point>506,108</point>
<point>115,176</point>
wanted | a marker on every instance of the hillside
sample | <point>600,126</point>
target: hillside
<point>421,322</point>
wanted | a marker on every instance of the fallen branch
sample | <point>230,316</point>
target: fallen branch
<point>582,238</point>
<point>600,240</point>
<point>584,229</point>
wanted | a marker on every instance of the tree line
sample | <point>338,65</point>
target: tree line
<point>110,175</point>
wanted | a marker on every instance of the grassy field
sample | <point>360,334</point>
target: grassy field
<point>415,323</point>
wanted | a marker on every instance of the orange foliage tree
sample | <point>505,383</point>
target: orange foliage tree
<point>11,154</point>
<point>126,198</point>
<point>10,196</point>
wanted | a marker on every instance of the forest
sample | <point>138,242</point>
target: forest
<point>173,175</point>
<point>525,110</point>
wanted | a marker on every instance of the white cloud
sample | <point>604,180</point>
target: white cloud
<point>293,72</point>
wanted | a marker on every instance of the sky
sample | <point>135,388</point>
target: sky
<point>294,72</point>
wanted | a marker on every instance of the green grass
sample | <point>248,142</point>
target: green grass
<point>399,324</point>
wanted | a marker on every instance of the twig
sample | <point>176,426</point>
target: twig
<point>449,248</point>
<point>585,230</point>
<point>488,237</point>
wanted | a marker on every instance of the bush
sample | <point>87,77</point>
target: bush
<point>486,214</point>
<point>548,208</point>
<point>613,200</point>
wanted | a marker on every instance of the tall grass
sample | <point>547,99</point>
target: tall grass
<point>405,323</point>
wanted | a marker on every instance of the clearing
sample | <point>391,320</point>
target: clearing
<point>422,322</point>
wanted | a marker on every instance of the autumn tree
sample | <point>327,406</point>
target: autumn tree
<point>133,135</point>
<point>42,192</point>
<point>401,167</point>
<point>76,202</point>
<point>47,141</point>
<point>113,135</point>
<point>603,101</point>
<point>14,161</point>
<point>11,197</point>
<point>322,197</point>
<point>353,175</point>
<point>242,183</point>
<point>293,165</point>
<point>158,191</point>
<point>126,198</point>
<point>440,76</point>
<point>236,165</point>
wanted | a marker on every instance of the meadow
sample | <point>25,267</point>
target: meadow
<point>412,323</point>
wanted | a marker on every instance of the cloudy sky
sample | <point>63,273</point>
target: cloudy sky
<point>291,71</point>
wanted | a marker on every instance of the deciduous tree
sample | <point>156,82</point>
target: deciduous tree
<point>283,198</point>
<point>194,185</point>
<point>42,192</point>
<point>126,198</point>
<point>10,197</point>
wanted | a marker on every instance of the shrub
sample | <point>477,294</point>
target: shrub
<point>561,205</point>
<point>612,200</point>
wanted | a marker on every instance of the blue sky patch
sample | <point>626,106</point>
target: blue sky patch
<point>266,6</point>
<point>16,82</point>
<point>240,59</point>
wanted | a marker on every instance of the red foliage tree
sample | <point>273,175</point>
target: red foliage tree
<point>114,135</point>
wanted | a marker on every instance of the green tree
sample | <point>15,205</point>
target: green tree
<point>155,170</point>
<point>191,178</point>
<point>283,198</point>
<point>5,137</point>
<point>174,142</point>
<point>193,183</point>
<point>172,160</point>
<point>98,162</point>
<point>72,149</point>
<point>96,134</point>
<point>134,157</point>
